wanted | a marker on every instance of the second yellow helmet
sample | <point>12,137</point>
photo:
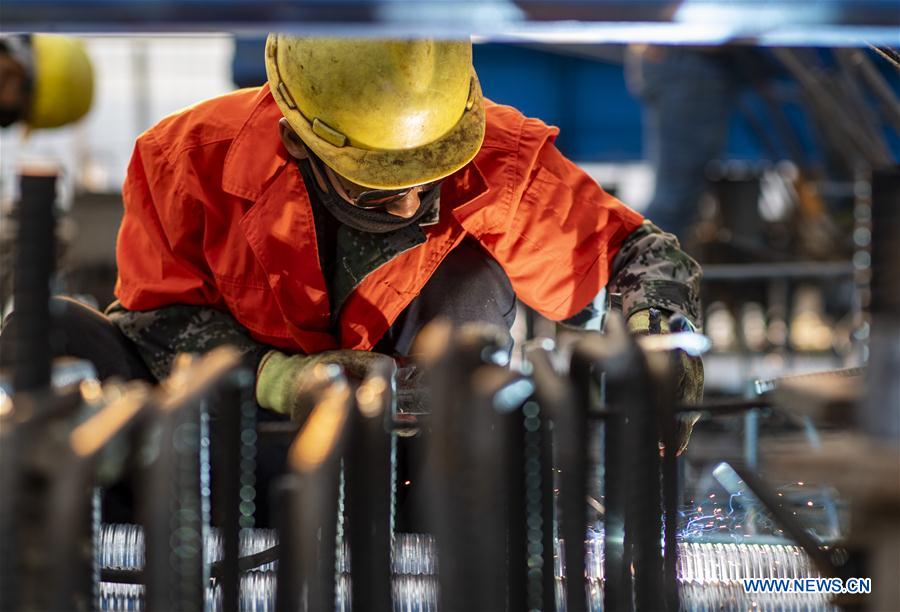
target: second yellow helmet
<point>63,81</point>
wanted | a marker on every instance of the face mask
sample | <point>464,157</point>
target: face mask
<point>370,220</point>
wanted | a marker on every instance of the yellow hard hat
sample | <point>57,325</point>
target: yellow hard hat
<point>385,114</point>
<point>63,81</point>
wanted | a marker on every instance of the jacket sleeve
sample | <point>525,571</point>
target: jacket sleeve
<point>558,232</point>
<point>168,302</point>
<point>161,333</point>
<point>159,251</point>
<point>651,270</point>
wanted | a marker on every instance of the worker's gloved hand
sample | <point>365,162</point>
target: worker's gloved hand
<point>690,391</point>
<point>689,386</point>
<point>287,384</point>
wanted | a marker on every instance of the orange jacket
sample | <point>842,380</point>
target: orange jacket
<point>215,216</point>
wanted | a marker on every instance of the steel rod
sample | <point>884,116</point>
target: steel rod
<point>310,503</point>
<point>368,488</point>
<point>34,265</point>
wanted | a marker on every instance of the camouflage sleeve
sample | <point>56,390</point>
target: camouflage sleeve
<point>162,333</point>
<point>651,270</point>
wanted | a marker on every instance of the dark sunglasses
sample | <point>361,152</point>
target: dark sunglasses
<point>371,198</point>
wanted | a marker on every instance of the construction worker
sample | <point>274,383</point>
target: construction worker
<point>46,80</point>
<point>367,189</point>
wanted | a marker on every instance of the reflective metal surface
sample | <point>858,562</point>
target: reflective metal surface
<point>122,546</point>
<point>710,575</point>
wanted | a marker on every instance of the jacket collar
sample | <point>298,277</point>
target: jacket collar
<point>256,155</point>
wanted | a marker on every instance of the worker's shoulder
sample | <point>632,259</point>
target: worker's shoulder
<point>507,127</point>
<point>210,122</point>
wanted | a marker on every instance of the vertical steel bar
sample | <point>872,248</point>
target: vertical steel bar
<point>225,433</point>
<point>595,355</point>
<point>28,437</point>
<point>670,486</point>
<point>286,496</point>
<point>32,273</point>
<point>174,503</point>
<point>71,500</point>
<point>643,518</point>
<point>630,392</point>
<point>464,476</point>
<point>617,594</point>
<point>751,438</point>
<point>315,459</point>
<point>172,515</point>
<point>34,265</point>
<point>548,504</point>
<point>368,487</point>
<point>554,396</point>
<point>570,429</point>
<point>521,472</point>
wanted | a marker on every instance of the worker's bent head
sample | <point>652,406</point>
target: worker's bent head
<point>381,115</point>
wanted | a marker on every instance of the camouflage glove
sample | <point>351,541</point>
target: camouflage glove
<point>287,384</point>
<point>689,375</point>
